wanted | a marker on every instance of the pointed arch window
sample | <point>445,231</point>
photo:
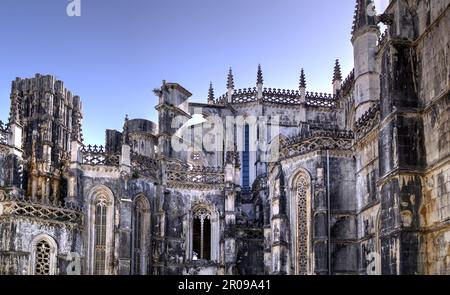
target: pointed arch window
<point>101,223</point>
<point>202,234</point>
<point>43,261</point>
<point>100,237</point>
<point>43,258</point>
<point>141,226</point>
<point>302,214</point>
<point>246,158</point>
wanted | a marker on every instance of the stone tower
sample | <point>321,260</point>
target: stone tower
<point>364,38</point>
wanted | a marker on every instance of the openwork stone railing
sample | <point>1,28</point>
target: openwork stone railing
<point>144,166</point>
<point>368,121</point>
<point>244,95</point>
<point>4,133</point>
<point>314,140</point>
<point>13,206</point>
<point>280,96</point>
<point>195,177</point>
<point>96,155</point>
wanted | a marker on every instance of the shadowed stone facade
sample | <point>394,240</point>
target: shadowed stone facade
<point>361,183</point>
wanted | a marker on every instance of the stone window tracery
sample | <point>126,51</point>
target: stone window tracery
<point>42,260</point>
<point>202,234</point>
<point>302,188</point>
<point>101,225</point>
<point>100,237</point>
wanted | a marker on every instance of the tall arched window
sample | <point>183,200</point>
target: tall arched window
<point>301,203</point>
<point>246,158</point>
<point>43,261</point>
<point>101,222</point>
<point>100,237</point>
<point>141,226</point>
<point>202,234</point>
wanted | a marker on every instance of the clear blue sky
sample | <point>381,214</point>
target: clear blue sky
<point>117,51</point>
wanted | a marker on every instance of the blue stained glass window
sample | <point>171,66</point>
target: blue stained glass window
<point>246,158</point>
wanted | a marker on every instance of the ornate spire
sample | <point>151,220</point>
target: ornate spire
<point>302,79</point>
<point>364,15</point>
<point>230,80</point>
<point>126,137</point>
<point>337,72</point>
<point>211,93</point>
<point>15,114</point>
<point>259,78</point>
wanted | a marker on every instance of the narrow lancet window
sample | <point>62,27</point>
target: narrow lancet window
<point>202,234</point>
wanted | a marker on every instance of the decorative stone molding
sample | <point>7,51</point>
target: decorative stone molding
<point>260,183</point>
<point>302,195</point>
<point>12,206</point>
<point>144,166</point>
<point>4,133</point>
<point>348,84</point>
<point>316,140</point>
<point>280,96</point>
<point>367,122</point>
<point>195,177</point>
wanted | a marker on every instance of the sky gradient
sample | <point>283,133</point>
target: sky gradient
<point>117,51</point>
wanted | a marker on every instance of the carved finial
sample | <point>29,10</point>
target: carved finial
<point>302,79</point>
<point>337,76</point>
<point>364,15</point>
<point>259,78</point>
<point>230,80</point>
<point>211,97</point>
<point>126,137</point>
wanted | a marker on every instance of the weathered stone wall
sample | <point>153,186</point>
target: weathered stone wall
<point>18,235</point>
<point>433,67</point>
<point>2,170</point>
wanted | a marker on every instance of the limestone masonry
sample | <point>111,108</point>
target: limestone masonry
<point>360,185</point>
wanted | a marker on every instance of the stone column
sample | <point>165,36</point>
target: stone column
<point>230,230</point>
<point>401,162</point>
<point>15,139</point>
<point>279,229</point>
<point>125,238</point>
<point>75,168</point>
<point>125,159</point>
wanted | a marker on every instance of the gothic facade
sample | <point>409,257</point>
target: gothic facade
<point>360,183</point>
